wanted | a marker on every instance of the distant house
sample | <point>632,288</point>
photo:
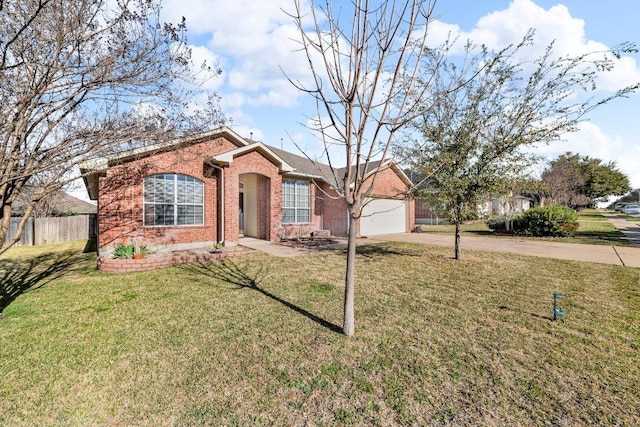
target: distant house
<point>217,186</point>
<point>428,213</point>
<point>56,204</point>
<point>504,205</point>
<point>58,218</point>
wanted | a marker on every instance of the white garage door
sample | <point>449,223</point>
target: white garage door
<point>383,216</point>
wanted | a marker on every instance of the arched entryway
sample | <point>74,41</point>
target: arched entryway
<point>254,205</point>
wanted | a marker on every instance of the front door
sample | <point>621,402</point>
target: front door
<point>241,213</point>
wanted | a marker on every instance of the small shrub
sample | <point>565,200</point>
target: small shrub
<point>552,220</point>
<point>123,251</point>
<point>140,249</point>
<point>497,224</point>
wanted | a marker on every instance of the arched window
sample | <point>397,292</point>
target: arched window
<point>171,199</point>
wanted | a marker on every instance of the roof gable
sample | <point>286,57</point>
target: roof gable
<point>228,156</point>
<point>101,164</point>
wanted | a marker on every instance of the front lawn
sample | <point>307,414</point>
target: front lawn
<point>254,341</point>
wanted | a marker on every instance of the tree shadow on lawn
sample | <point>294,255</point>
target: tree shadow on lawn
<point>486,233</point>
<point>241,276</point>
<point>18,276</point>
<point>376,249</point>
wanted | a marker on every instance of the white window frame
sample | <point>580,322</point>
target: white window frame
<point>294,201</point>
<point>197,202</point>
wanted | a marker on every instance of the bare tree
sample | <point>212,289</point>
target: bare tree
<point>81,79</point>
<point>363,57</point>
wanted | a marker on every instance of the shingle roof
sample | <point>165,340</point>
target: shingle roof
<point>55,204</point>
<point>305,166</point>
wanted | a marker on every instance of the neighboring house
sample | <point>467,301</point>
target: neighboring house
<point>426,213</point>
<point>55,204</point>
<point>504,205</point>
<point>218,186</point>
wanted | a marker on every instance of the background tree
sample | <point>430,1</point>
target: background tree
<point>82,79</point>
<point>603,180</point>
<point>563,179</point>
<point>633,196</point>
<point>363,57</point>
<point>579,181</point>
<point>472,142</point>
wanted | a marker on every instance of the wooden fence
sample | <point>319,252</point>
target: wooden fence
<point>40,231</point>
<point>27,235</point>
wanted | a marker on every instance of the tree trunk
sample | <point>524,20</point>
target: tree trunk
<point>348,326</point>
<point>4,227</point>
<point>457,241</point>
<point>457,219</point>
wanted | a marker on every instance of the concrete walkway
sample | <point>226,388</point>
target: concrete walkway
<point>603,254</point>
<point>631,230</point>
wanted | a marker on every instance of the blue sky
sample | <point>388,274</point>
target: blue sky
<point>251,42</point>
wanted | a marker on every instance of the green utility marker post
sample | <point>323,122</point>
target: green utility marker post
<point>558,313</point>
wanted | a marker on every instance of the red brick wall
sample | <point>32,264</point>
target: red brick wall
<point>387,184</point>
<point>317,208</point>
<point>412,215</point>
<point>111,265</point>
<point>120,218</point>
<point>269,192</point>
<point>264,206</point>
<point>335,211</point>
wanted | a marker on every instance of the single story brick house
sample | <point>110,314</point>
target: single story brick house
<point>217,187</point>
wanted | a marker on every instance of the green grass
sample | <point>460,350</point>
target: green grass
<point>254,341</point>
<point>594,229</point>
<point>591,215</point>
<point>630,218</point>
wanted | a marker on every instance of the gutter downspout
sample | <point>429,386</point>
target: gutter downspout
<point>221,199</point>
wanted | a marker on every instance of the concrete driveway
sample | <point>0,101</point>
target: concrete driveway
<point>616,255</point>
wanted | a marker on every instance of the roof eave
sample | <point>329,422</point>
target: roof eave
<point>226,158</point>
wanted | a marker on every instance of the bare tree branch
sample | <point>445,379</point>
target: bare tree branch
<point>362,58</point>
<point>81,79</point>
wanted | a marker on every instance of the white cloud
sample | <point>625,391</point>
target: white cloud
<point>508,26</point>
<point>591,141</point>
<point>588,139</point>
<point>253,45</point>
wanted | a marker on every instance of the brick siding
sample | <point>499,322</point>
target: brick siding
<point>386,185</point>
<point>116,265</point>
<point>120,202</point>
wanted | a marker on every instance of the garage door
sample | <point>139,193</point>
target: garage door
<point>383,216</point>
